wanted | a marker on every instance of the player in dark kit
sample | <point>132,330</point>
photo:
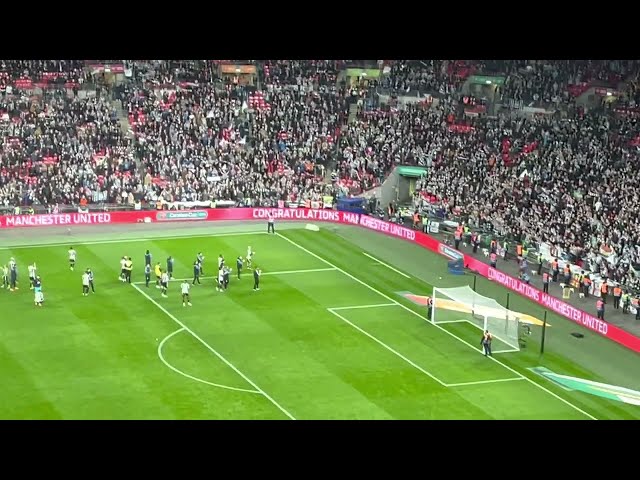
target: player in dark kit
<point>200,258</point>
<point>128,268</point>
<point>147,274</point>
<point>256,278</point>
<point>196,272</point>
<point>225,277</point>
<point>239,264</point>
<point>93,288</point>
<point>13,275</point>
<point>170,266</point>
<point>147,258</point>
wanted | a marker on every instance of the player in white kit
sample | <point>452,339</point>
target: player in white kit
<point>32,275</point>
<point>186,300</point>
<point>164,283</point>
<point>249,257</point>
<point>72,258</point>
<point>220,286</point>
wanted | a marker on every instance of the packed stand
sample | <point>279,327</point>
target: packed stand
<point>441,77</point>
<point>555,82</point>
<point>307,75</point>
<point>200,143</point>
<point>59,148</point>
<point>497,174</point>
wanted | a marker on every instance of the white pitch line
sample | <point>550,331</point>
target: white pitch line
<point>215,352</point>
<point>386,265</point>
<point>284,272</point>
<point>482,382</point>
<point>373,289</point>
<point>365,306</point>
<point>191,377</point>
<point>384,345</point>
<point>132,240</point>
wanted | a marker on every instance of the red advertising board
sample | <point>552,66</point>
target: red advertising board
<point>303,214</point>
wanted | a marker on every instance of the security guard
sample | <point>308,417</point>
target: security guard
<point>604,290</point>
<point>545,282</point>
<point>540,261</point>
<point>626,302</point>
<point>586,285</point>
<point>617,294</point>
<point>555,270</point>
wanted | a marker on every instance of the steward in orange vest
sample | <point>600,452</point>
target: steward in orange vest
<point>617,293</point>
<point>545,282</point>
<point>604,289</point>
<point>586,285</point>
<point>555,269</point>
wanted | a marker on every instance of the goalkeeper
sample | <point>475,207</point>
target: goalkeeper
<point>429,307</point>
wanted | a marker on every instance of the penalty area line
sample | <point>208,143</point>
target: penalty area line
<point>484,382</point>
<point>386,265</point>
<point>354,307</point>
<point>215,352</point>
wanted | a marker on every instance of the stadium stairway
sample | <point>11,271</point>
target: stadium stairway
<point>353,113</point>
<point>123,118</point>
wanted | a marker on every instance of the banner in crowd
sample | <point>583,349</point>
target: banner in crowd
<point>303,214</point>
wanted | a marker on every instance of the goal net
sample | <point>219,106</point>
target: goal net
<point>463,305</point>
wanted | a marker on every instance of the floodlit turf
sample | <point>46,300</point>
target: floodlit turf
<point>294,349</point>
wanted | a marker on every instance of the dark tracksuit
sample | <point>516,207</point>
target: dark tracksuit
<point>147,274</point>
<point>196,273</point>
<point>13,278</point>
<point>147,259</point>
<point>93,288</point>
<point>239,266</point>
<point>225,279</point>
<point>256,279</point>
<point>170,267</point>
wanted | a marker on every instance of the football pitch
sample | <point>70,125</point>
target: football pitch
<point>330,334</point>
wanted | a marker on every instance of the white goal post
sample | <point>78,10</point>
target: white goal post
<point>462,304</point>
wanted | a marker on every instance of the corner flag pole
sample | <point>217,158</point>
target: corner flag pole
<point>544,329</point>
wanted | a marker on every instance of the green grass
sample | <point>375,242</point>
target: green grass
<point>273,354</point>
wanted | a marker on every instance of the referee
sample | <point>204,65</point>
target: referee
<point>486,343</point>
<point>256,279</point>
<point>270,227</point>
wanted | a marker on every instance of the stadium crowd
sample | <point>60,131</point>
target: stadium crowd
<point>568,180</point>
